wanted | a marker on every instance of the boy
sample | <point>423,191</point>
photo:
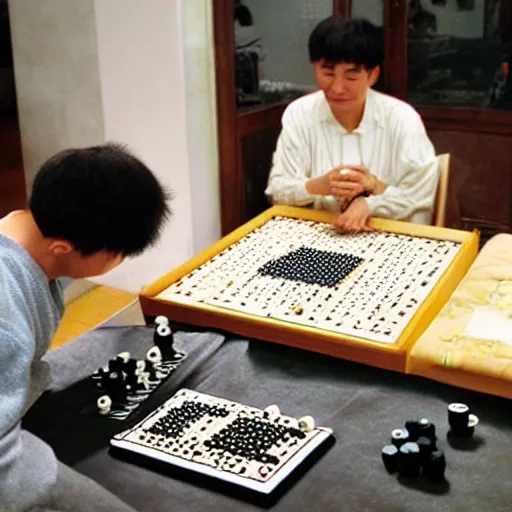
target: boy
<point>347,147</point>
<point>89,208</point>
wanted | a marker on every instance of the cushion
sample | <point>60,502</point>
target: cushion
<point>469,344</point>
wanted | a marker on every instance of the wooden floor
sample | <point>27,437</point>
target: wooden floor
<point>89,310</point>
<point>12,178</point>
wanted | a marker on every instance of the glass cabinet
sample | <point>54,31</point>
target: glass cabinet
<point>450,59</point>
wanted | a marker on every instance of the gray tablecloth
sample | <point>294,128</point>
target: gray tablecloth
<point>361,404</point>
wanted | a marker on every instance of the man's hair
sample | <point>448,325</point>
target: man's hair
<point>99,198</point>
<point>353,41</point>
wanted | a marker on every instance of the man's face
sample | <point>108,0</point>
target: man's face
<point>345,85</point>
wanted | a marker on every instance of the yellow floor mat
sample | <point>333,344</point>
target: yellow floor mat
<point>89,310</point>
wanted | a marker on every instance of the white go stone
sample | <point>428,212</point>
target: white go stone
<point>473,420</point>
<point>125,356</point>
<point>140,366</point>
<point>163,330</point>
<point>161,320</point>
<point>154,355</point>
<point>104,404</point>
<point>306,423</point>
<point>273,410</point>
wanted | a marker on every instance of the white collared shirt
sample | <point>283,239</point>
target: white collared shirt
<point>391,142</point>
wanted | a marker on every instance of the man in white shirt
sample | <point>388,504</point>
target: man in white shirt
<point>347,147</point>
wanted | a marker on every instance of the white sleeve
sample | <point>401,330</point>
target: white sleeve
<point>416,175</point>
<point>291,165</point>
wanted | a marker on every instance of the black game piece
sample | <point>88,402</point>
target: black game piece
<point>427,429</point>
<point>409,460</point>
<point>390,457</point>
<point>468,431</point>
<point>434,467</point>
<point>129,369</point>
<point>462,423</point>
<point>116,365</point>
<point>413,427</point>
<point>163,339</point>
<point>115,387</point>
<point>399,436</point>
<point>426,445</point>
<point>149,367</point>
<point>458,416</point>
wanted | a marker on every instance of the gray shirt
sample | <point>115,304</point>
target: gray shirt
<point>31,307</point>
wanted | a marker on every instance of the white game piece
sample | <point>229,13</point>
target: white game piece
<point>473,420</point>
<point>307,423</point>
<point>104,404</point>
<point>273,411</point>
<point>143,378</point>
<point>161,320</point>
<point>154,355</point>
<point>125,356</point>
<point>140,366</point>
<point>344,172</point>
<point>163,330</point>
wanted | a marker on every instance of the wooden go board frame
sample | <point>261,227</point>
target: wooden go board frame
<point>390,356</point>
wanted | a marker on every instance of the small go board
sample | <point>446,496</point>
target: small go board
<point>241,445</point>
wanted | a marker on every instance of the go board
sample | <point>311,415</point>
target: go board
<point>242,445</point>
<point>290,276</point>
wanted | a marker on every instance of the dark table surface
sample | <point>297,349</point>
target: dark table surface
<point>360,403</point>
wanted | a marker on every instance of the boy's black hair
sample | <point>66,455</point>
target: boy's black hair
<point>354,41</point>
<point>99,198</point>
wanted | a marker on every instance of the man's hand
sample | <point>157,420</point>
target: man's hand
<point>345,182</point>
<point>355,218</point>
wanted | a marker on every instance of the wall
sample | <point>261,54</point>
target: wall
<point>58,88</point>
<point>145,55</point>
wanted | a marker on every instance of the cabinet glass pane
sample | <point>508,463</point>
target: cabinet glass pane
<point>271,56</point>
<point>371,10</point>
<point>459,53</point>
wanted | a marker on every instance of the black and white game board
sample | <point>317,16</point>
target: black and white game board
<point>237,444</point>
<point>124,383</point>
<point>367,285</point>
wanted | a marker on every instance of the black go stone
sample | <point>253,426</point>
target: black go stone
<point>129,369</point>
<point>390,457</point>
<point>434,467</point>
<point>426,445</point>
<point>409,460</point>
<point>179,418</point>
<point>427,429</point>
<point>251,438</point>
<point>115,386</point>
<point>115,365</point>
<point>413,427</point>
<point>312,266</point>
<point>458,417</point>
<point>399,436</point>
<point>150,368</point>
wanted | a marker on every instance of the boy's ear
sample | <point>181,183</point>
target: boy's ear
<point>60,247</point>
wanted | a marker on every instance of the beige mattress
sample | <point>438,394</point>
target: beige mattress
<point>469,344</point>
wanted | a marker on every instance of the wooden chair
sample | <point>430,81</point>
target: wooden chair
<point>441,200</point>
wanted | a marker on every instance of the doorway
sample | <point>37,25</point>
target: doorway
<point>12,176</point>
